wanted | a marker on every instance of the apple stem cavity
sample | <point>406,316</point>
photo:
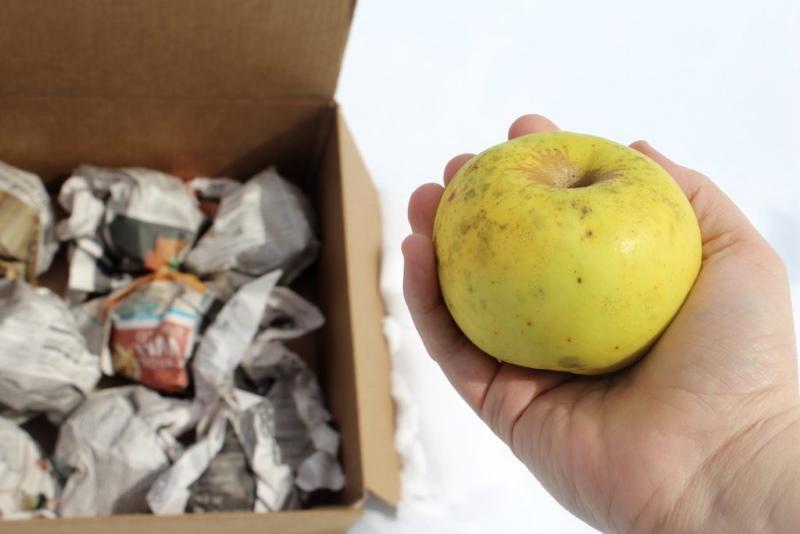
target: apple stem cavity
<point>554,168</point>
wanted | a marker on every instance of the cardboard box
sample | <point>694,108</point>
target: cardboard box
<point>206,87</point>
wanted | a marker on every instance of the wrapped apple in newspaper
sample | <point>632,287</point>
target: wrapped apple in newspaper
<point>27,482</point>
<point>151,328</point>
<point>262,225</point>
<point>27,240</point>
<point>124,223</point>
<point>228,483</point>
<point>45,365</point>
<point>114,446</point>
<point>308,444</point>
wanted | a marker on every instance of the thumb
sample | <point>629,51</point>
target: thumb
<point>721,222</point>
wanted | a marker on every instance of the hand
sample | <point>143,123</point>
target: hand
<point>697,436</point>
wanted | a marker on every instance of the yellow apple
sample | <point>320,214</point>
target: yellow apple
<point>565,251</point>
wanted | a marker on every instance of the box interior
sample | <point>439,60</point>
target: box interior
<point>298,138</point>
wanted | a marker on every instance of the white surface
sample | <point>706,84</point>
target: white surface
<point>712,84</point>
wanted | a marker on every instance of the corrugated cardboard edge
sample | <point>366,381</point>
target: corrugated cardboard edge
<point>380,461</point>
<point>316,521</point>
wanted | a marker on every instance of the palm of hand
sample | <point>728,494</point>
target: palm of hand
<point>624,451</point>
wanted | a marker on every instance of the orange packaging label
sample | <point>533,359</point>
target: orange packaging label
<point>154,350</point>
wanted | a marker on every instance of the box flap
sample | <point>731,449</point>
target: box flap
<point>380,462</point>
<point>176,48</point>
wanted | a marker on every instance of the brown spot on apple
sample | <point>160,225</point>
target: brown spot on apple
<point>571,362</point>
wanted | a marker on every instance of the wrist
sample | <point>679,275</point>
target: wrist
<point>751,484</point>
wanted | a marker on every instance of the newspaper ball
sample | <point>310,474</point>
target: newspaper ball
<point>265,224</point>
<point>153,326</point>
<point>45,365</point>
<point>125,221</point>
<point>114,446</point>
<point>308,444</point>
<point>27,240</point>
<point>228,483</point>
<point>27,484</point>
<point>235,464</point>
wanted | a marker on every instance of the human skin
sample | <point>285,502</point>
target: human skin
<point>701,435</point>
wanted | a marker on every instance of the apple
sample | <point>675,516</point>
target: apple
<point>565,251</point>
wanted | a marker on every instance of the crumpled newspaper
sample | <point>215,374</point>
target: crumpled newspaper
<point>280,426</point>
<point>265,224</point>
<point>249,476</point>
<point>217,405</point>
<point>307,442</point>
<point>27,240</point>
<point>124,222</point>
<point>45,365</point>
<point>225,343</point>
<point>147,331</point>
<point>288,316</point>
<point>115,445</point>
<point>27,482</point>
<point>228,483</point>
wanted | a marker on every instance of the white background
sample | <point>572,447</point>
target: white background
<point>714,85</point>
